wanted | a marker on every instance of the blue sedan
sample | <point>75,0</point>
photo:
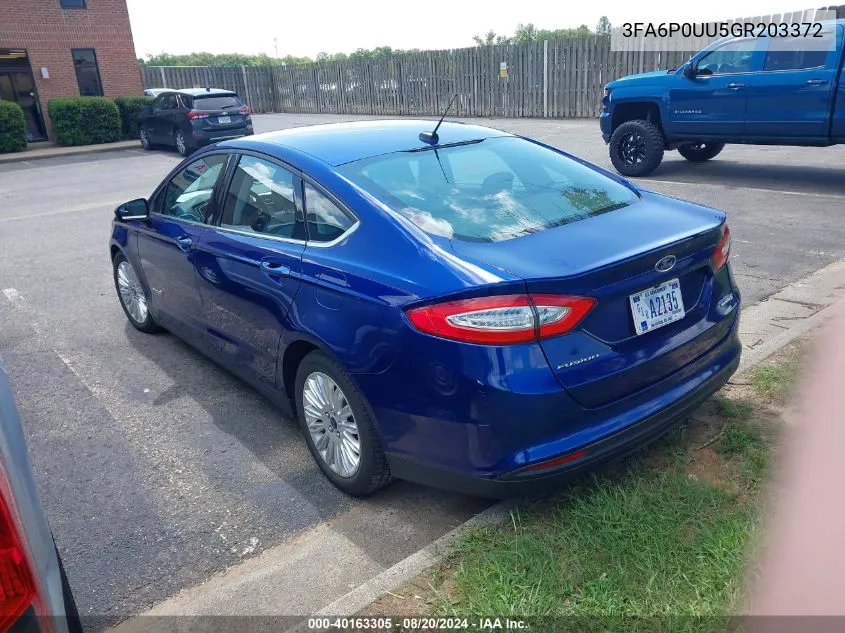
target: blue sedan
<point>468,309</point>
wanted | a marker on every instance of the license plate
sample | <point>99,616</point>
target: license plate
<point>224,119</point>
<point>658,306</point>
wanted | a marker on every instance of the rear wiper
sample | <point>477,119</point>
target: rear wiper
<point>445,145</point>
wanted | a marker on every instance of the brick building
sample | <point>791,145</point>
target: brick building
<point>62,48</point>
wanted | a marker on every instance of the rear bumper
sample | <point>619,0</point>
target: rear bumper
<point>206,137</point>
<point>665,410</point>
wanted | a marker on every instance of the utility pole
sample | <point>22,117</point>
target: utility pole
<point>276,47</point>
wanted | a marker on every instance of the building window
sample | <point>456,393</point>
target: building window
<point>72,4</point>
<point>87,73</point>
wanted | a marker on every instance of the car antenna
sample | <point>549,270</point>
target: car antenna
<point>431,137</point>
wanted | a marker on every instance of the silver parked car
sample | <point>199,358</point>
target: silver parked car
<point>34,593</point>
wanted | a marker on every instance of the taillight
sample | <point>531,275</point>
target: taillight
<point>557,314</point>
<point>722,252</point>
<point>193,114</point>
<point>244,110</point>
<point>17,588</point>
<point>502,319</point>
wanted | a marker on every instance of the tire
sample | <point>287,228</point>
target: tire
<point>144,135</point>
<point>180,142</point>
<point>636,148</point>
<point>132,296</point>
<point>332,430</point>
<point>699,152</point>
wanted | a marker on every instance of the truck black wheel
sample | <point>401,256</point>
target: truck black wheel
<point>698,152</point>
<point>636,148</point>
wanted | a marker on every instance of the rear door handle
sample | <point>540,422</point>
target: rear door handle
<point>274,268</point>
<point>736,85</point>
<point>184,242</point>
<point>816,82</point>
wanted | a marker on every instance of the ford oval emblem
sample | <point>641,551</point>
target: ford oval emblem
<point>665,264</point>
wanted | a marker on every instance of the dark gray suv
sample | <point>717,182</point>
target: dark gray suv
<point>190,118</point>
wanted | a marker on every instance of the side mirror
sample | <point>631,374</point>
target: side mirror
<point>133,210</point>
<point>690,70</point>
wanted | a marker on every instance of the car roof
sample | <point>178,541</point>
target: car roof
<point>339,143</point>
<point>204,92</point>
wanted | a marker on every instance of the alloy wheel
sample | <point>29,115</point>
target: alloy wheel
<point>633,149</point>
<point>180,142</point>
<point>331,424</point>
<point>145,140</point>
<point>131,292</point>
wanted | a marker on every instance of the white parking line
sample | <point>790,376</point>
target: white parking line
<point>77,209</point>
<point>723,186</point>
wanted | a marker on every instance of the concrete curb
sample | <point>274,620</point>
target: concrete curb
<point>762,352</point>
<point>828,281</point>
<point>804,304</point>
<point>61,152</point>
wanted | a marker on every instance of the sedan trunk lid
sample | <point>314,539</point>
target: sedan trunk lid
<point>611,257</point>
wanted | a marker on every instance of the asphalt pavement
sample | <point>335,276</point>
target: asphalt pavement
<point>158,469</point>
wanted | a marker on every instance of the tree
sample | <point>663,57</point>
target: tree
<point>559,34</point>
<point>490,38</point>
<point>331,57</point>
<point>224,59</point>
<point>525,33</point>
<point>379,52</point>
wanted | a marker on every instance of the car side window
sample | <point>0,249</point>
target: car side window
<point>159,101</point>
<point>791,54</point>
<point>261,200</point>
<point>170,102</point>
<point>736,56</point>
<point>326,221</point>
<point>188,194</point>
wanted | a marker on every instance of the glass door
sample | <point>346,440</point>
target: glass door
<point>24,89</point>
<point>19,87</point>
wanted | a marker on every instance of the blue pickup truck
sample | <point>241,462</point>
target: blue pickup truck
<point>736,90</point>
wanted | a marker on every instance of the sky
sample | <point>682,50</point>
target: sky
<point>308,28</point>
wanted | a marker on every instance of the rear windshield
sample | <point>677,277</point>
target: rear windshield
<point>217,103</point>
<point>489,190</point>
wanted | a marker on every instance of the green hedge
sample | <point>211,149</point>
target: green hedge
<point>12,127</point>
<point>84,120</point>
<point>130,110</point>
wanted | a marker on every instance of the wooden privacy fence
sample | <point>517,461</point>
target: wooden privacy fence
<point>562,78</point>
<point>556,78</point>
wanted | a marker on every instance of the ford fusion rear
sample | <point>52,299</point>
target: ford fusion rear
<point>468,309</point>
